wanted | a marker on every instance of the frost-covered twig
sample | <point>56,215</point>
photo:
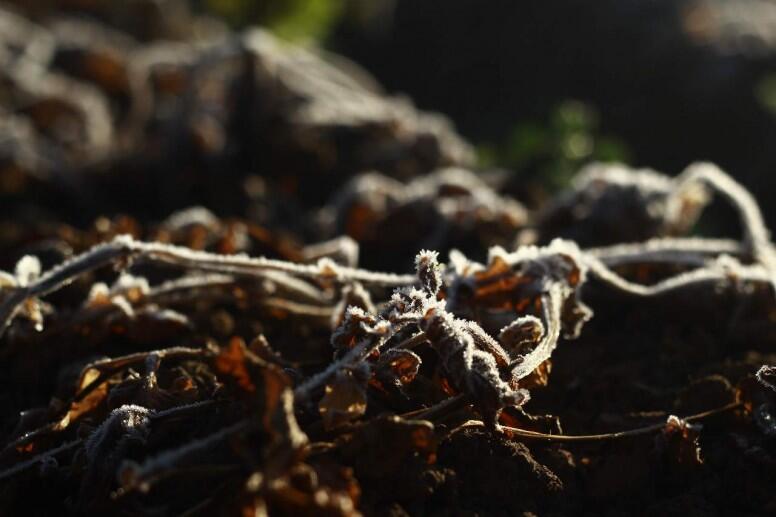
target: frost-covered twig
<point>352,357</point>
<point>722,270</point>
<point>251,266</point>
<point>44,456</point>
<point>61,275</point>
<point>137,476</point>
<point>712,258</point>
<point>134,415</point>
<point>756,235</point>
<point>115,363</point>
<point>692,251</point>
<point>302,309</point>
<point>183,409</point>
<point>125,248</point>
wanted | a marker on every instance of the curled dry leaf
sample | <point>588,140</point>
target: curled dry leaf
<point>540,377</point>
<point>512,286</point>
<point>399,366</point>
<point>767,376</point>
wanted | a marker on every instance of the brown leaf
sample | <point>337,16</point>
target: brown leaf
<point>86,404</point>
<point>231,361</point>
<point>279,416</point>
<point>540,377</point>
<point>345,400</point>
<point>398,367</point>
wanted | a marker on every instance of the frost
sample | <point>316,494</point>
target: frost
<point>196,215</point>
<point>521,335</point>
<point>429,271</point>
<point>714,267</point>
<point>124,247</point>
<point>766,375</point>
<point>27,270</point>
<point>126,422</point>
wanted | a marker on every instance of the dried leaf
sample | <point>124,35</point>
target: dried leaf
<point>91,401</point>
<point>231,361</point>
<point>345,400</point>
<point>540,377</point>
<point>397,367</point>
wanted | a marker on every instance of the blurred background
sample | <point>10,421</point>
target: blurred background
<point>536,88</point>
<point>541,86</point>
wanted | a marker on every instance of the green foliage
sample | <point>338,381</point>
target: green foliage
<point>552,151</point>
<point>765,92</point>
<point>290,19</point>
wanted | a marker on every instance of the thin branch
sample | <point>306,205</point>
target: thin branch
<point>533,435</point>
<point>249,266</point>
<point>709,276</point>
<point>756,241</point>
<point>353,356</point>
<point>137,476</point>
<point>413,341</point>
<point>301,309</point>
<point>183,410</point>
<point>63,274</point>
<point>756,235</point>
<point>692,251</point>
<point>24,465</point>
<point>440,408</point>
<point>125,248</point>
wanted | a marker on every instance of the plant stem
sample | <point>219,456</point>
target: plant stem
<point>533,435</point>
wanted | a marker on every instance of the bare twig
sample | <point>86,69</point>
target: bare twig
<point>533,435</point>
<point>431,412</point>
<point>24,465</point>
